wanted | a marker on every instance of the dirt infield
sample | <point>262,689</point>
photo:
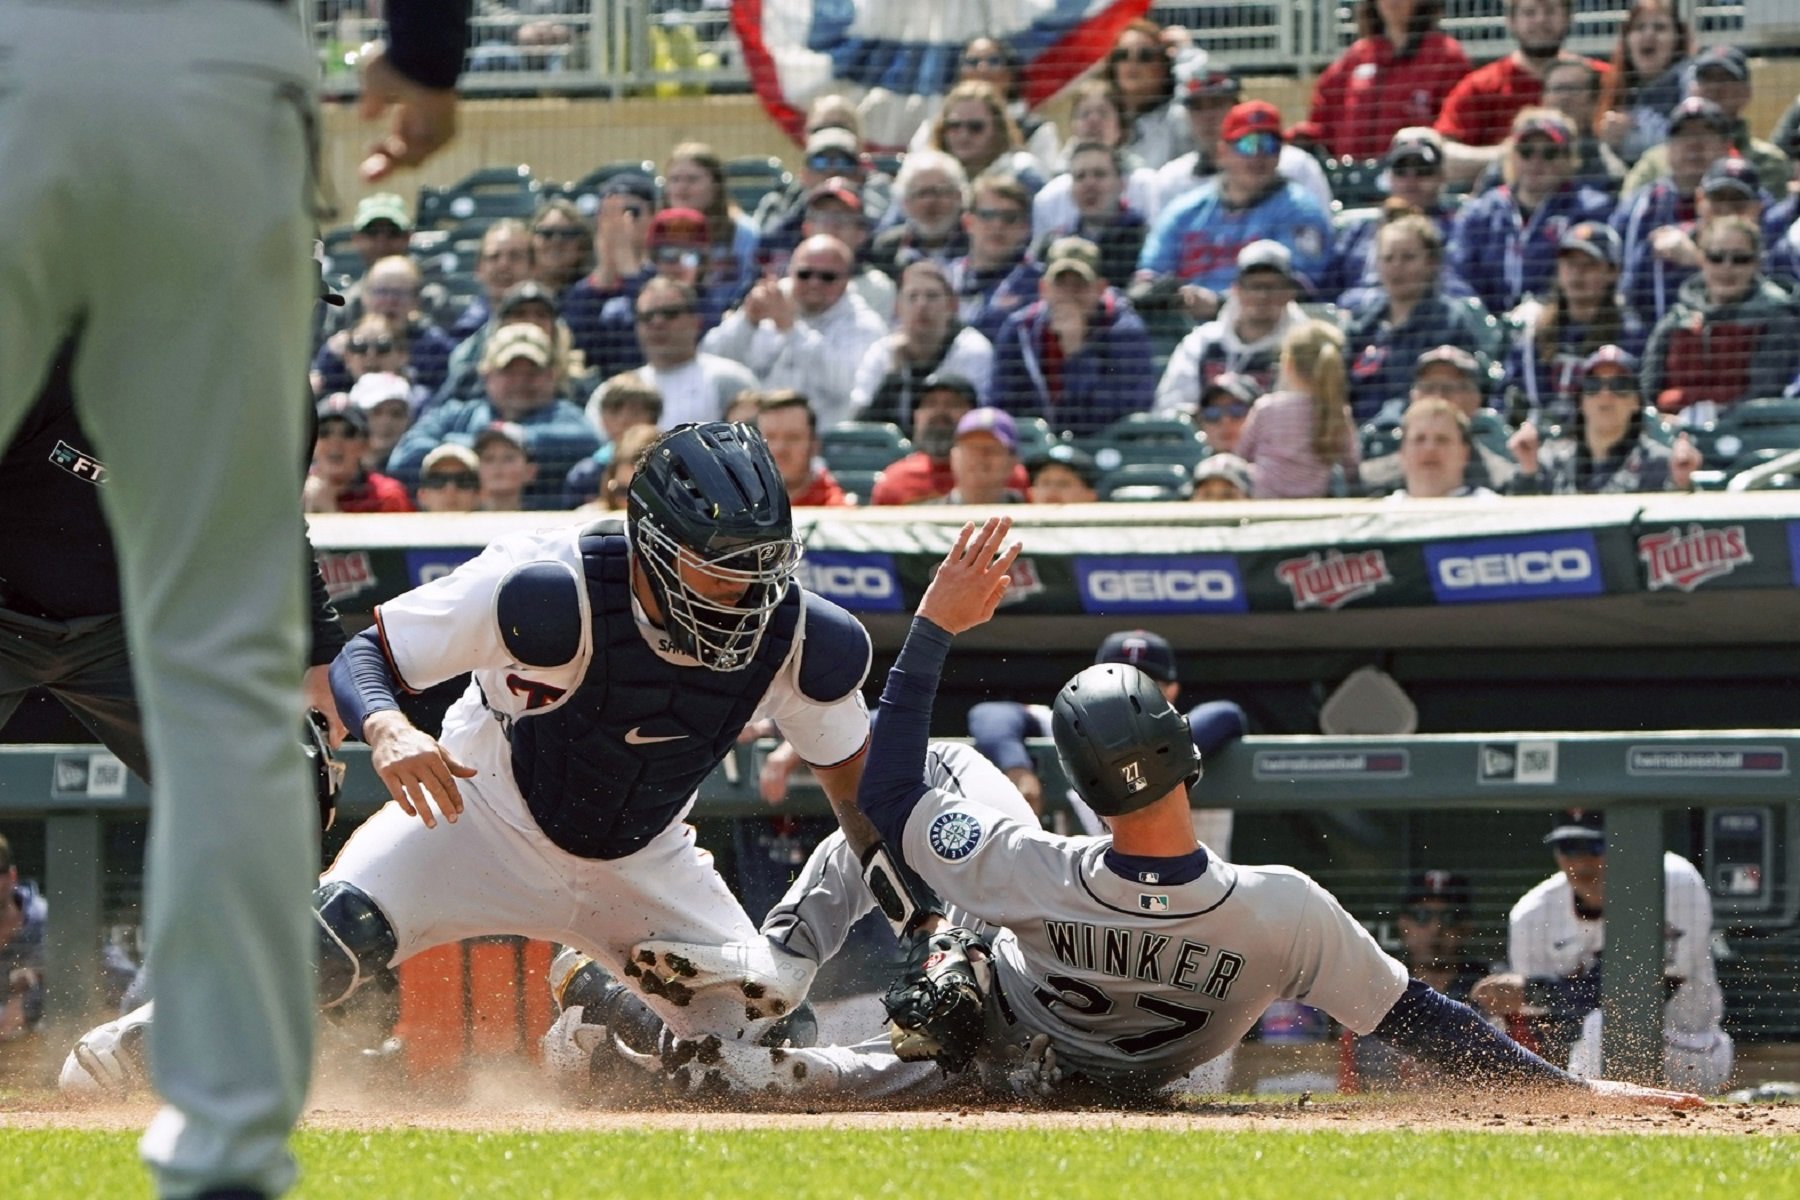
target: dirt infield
<point>1513,1114</point>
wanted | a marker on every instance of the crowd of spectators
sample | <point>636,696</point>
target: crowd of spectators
<point>1578,272</point>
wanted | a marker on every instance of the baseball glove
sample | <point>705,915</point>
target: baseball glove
<point>936,1006</point>
<point>327,771</point>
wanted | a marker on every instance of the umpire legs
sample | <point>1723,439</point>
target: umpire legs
<point>156,198</point>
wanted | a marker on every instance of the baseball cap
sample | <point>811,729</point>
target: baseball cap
<point>1197,78</point>
<point>1610,356</point>
<point>1229,467</point>
<point>529,292</point>
<point>1449,886</point>
<point>382,206</point>
<point>1732,174</point>
<point>1062,454</point>
<point>516,341</point>
<point>449,452</point>
<point>836,188</point>
<point>678,226</point>
<point>1596,239</point>
<point>1699,108</point>
<point>950,381</point>
<point>1266,255</point>
<point>335,408</point>
<point>1252,116</point>
<point>1148,652</point>
<point>1240,388</point>
<point>503,431</point>
<point>833,137</point>
<point>1577,824</point>
<point>632,184</point>
<point>1073,254</point>
<point>1728,59</point>
<point>1553,128</point>
<point>1456,356</point>
<point>377,388</point>
<point>994,422</point>
<point>1416,144</point>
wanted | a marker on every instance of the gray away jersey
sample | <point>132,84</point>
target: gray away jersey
<point>1133,979</point>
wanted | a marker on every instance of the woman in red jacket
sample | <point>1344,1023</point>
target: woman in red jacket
<point>1395,74</point>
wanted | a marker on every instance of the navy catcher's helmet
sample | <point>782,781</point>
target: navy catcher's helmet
<point>1122,744</point>
<point>709,500</point>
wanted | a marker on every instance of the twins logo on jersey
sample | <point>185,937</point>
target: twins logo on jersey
<point>954,835</point>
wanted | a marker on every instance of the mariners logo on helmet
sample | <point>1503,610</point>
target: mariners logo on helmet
<point>954,836</point>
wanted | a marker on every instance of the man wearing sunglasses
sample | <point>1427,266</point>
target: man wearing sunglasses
<point>807,332</point>
<point>393,289</point>
<point>1670,255</point>
<point>832,152</point>
<point>1195,242</point>
<point>1244,340</point>
<point>1555,937</point>
<point>1207,90</point>
<point>693,386</point>
<point>676,251</point>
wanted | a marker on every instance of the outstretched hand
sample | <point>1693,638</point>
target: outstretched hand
<point>972,578</point>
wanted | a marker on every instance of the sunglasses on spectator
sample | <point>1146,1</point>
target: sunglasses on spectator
<point>1006,216</point>
<point>669,312</point>
<point>1580,847</point>
<point>1618,385</point>
<point>466,481</point>
<point>378,345</point>
<point>1257,145</point>
<point>1737,258</point>
<point>977,61</point>
<point>808,274</point>
<point>831,162</point>
<point>1212,414</point>
<point>571,234</point>
<point>1429,914</point>
<point>338,429</point>
<point>967,126</point>
<point>1538,152</point>
<point>677,254</point>
<point>1143,54</point>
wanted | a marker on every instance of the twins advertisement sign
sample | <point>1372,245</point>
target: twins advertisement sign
<point>1683,559</point>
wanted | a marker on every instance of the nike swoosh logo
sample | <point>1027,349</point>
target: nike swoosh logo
<point>635,737</point>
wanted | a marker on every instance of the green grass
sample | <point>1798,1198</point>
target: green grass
<point>914,1164</point>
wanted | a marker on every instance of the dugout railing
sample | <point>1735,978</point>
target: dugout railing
<point>1635,777</point>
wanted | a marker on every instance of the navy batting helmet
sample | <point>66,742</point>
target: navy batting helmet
<point>711,524</point>
<point>1121,742</point>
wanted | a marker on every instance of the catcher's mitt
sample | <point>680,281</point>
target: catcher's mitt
<point>327,771</point>
<point>936,1006</point>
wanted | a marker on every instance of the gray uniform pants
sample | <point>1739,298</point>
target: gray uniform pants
<point>156,197</point>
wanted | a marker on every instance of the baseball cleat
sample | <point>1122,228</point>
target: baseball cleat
<point>710,1067</point>
<point>771,981</point>
<point>108,1061</point>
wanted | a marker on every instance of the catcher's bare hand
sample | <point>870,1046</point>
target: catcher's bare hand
<point>1499,995</point>
<point>417,770</point>
<point>972,578</point>
<point>424,118</point>
<point>1650,1097</point>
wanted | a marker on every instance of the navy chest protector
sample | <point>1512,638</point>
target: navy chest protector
<point>610,767</point>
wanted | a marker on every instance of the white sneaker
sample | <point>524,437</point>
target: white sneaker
<point>771,980</point>
<point>109,1061</point>
<point>711,1067</point>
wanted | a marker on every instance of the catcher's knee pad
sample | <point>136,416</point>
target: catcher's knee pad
<point>577,981</point>
<point>356,942</point>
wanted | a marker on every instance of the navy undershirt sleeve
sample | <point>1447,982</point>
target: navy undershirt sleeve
<point>894,777</point>
<point>361,682</point>
<point>1428,1024</point>
<point>426,39</point>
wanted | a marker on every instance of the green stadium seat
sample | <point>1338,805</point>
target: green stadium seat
<point>1140,481</point>
<point>343,265</point>
<point>751,178</point>
<point>1035,437</point>
<point>1147,438</point>
<point>862,446</point>
<point>489,193</point>
<point>585,192</point>
<point>857,483</point>
<point>1353,182</point>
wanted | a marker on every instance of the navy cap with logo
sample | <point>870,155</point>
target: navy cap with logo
<point>1699,108</point>
<point>1448,886</point>
<point>1070,457</point>
<point>1578,825</point>
<point>1731,175</point>
<point>1616,357</point>
<point>1415,150</point>
<point>1596,239</point>
<point>1148,652</point>
<point>1723,60</point>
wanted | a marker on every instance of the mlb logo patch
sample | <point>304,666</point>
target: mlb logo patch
<point>953,836</point>
<point>1153,903</point>
<point>1133,775</point>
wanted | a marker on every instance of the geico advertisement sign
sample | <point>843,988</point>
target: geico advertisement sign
<point>1535,567</point>
<point>1172,584</point>
<point>860,582</point>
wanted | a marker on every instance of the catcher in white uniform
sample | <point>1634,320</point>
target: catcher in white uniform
<point>612,669</point>
<point>1555,939</point>
<point>1116,963</point>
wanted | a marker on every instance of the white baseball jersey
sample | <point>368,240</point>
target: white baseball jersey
<point>1545,937</point>
<point>446,627</point>
<point>1137,981</point>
